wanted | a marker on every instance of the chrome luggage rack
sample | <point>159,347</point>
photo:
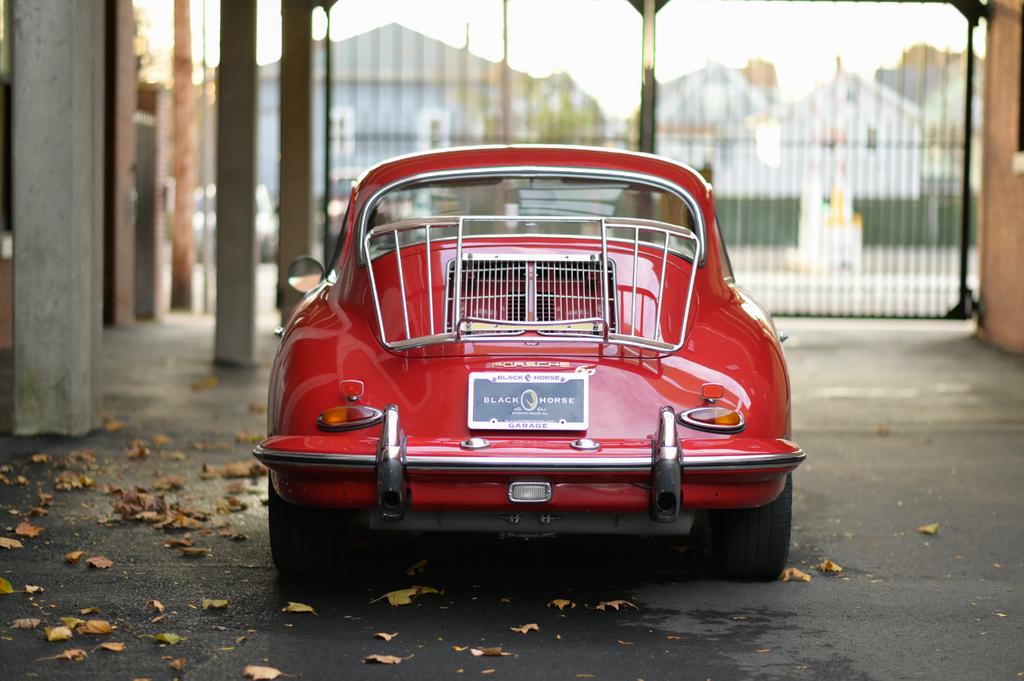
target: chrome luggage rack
<point>585,316</point>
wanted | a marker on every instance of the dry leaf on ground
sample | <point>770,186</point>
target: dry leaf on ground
<point>88,611</point>
<point>492,651</point>
<point>27,529</point>
<point>159,440</point>
<point>57,634</point>
<point>32,589</point>
<point>383,659</point>
<point>73,556</point>
<point>205,383</point>
<point>69,480</point>
<point>561,603</point>
<point>178,664</point>
<point>258,673</point>
<point>384,636</point>
<point>112,425</point>
<point>100,562</point>
<point>298,607</point>
<point>25,623</point>
<point>71,622</point>
<point>94,627</point>
<point>617,604</point>
<point>5,586</point>
<point>829,566</point>
<point>138,449</point>
<point>72,654</point>
<point>405,596</point>
<point>8,543</point>
<point>932,528</point>
<point>792,574</point>
<point>155,604</point>
<point>168,638</point>
<point>526,628</point>
<point>215,603</point>
<point>112,646</point>
<point>42,457</point>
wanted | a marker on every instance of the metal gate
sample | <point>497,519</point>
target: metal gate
<point>845,200</point>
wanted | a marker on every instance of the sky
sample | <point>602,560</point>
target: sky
<point>597,42</point>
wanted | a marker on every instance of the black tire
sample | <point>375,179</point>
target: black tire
<point>753,543</point>
<point>306,540</point>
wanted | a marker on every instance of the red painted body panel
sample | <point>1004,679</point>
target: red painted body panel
<point>332,336</point>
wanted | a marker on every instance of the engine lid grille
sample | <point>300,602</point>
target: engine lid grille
<point>554,292</point>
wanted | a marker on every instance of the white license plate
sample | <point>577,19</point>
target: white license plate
<point>528,400</point>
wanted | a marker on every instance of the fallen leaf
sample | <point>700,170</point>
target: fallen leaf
<point>95,627</point>
<point>672,637</point>
<point>25,623</point>
<point>459,649</point>
<point>763,650</point>
<point>215,603</point>
<point>792,574</point>
<point>88,611</point>
<point>178,664</point>
<point>205,383</point>
<point>5,586</point>
<point>169,483</point>
<point>8,543</point>
<point>933,528</point>
<point>32,589</point>
<point>257,408</point>
<point>616,605</point>
<point>72,654</point>
<point>298,607</point>
<point>999,613</point>
<point>526,628</point>
<point>492,651</point>
<point>417,568</point>
<point>73,557</point>
<point>45,498</point>
<point>829,566</point>
<point>71,622</point>
<point>561,603</point>
<point>382,659</point>
<point>57,634</point>
<point>27,529</point>
<point>159,440</point>
<point>626,643</point>
<point>112,646</point>
<point>155,604</point>
<point>69,480</point>
<point>195,551</point>
<point>487,671</point>
<point>41,458</point>
<point>112,425</point>
<point>384,636</point>
<point>138,449</point>
<point>99,562</point>
<point>405,596</point>
<point>168,638</point>
<point>258,673</point>
<point>37,512</point>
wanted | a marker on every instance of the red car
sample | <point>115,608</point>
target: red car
<point>529,340</point>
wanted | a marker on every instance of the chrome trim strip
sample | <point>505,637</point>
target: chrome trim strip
<point>532,463</point>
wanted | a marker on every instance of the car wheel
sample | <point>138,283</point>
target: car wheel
<point>306,540</point>
<point>753,543</point>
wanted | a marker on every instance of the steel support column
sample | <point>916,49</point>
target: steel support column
<point>648,89</point>
<point>965,305</point>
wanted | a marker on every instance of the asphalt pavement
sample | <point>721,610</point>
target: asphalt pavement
<point>906,424</point>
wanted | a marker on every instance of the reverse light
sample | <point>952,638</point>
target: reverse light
<point>713,419</point>
<point>349,417</point>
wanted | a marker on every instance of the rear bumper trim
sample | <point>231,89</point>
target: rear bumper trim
<point>575,463</point>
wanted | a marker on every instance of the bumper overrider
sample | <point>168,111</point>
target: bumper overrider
<point>720,472</point>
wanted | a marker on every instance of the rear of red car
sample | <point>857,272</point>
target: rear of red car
<point>530,340</point>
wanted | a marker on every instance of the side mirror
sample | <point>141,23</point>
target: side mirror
<point>305,274</point>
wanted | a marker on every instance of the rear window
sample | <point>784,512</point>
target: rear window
<point>544,196</point>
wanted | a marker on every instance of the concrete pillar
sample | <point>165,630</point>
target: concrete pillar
<point>119,178</point>
<point>57,173</point>
<point>296,212</point>
<point>236,185</point>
